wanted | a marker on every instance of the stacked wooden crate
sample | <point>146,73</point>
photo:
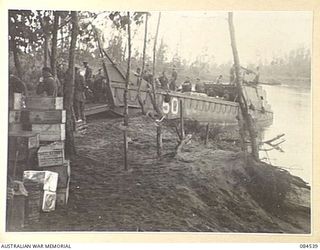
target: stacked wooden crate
<point>47,118</point>
<point>51,158</point>
<point>36,139</point>
<point>22,152</point>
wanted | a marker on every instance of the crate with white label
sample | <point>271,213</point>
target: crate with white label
<point>51,155</point>
<point>63,172</point>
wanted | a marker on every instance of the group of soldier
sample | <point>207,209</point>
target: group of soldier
<point>87,86</point>
<point>162,81</point>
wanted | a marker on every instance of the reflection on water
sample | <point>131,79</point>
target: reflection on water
<point>292,116</point>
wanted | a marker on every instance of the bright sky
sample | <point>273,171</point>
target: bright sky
<point>259,35</point>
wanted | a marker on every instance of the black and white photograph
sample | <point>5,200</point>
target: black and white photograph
<point>159,121</point>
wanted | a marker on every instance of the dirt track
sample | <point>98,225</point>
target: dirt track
<point>205,189</point>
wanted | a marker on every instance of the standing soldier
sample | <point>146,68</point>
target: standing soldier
<point>232,74</point>
<point>16,85</point>
<point>88,74</point>
<point>174,76</point>
<point>164,81</point>
<point>48,84</point>
<point>79,95</point>
<point>257,75</point>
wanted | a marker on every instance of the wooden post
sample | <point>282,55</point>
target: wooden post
<point>143,64</point>
<point>181,121</point>
<point>242,101</point>
<point>153,85</point>
<point>69,88</point>
<point>54,43</point>
<point>125,97</point>
<point>207,134</point>
<point>155,46</point>
<point>159,140</point>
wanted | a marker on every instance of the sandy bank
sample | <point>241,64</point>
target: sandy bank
<point>207,188</point>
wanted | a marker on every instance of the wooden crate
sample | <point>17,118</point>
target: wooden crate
<point>23,141</point>
<point>15,127</point>
<point>16,213</point>
<point>63,172</point>
<point>48,179</point>
<point>48,201</point>
<point>44,103</point>
<point>33,202</point>
<point>27,138</point>
<point>37,116</point>
<point>50,132</point>
<point>63,195</point>
<point>51,155</point>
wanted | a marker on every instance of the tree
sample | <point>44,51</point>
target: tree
<point>242,101</point>
<point>161,55</point>
<point>69,86</point>
<point>54,43</point>
<point>125,95</point>
<point>143,63</point>
<point>23,33</point>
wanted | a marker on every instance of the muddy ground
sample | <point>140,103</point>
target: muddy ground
<point>207,188</point>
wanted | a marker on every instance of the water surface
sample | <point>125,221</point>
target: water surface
<point>292,116</point>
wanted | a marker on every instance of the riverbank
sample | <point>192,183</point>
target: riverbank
<point>207,188</point>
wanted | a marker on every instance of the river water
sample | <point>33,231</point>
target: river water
<point>292,116</point>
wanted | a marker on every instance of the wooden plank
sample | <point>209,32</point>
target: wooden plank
<point>63,195</point>
<point>63,172</point>
<point>37,116</point>
<point>44,103</point>
<point>51,155</point>
<point>91,110</point>
<point>50,132</point>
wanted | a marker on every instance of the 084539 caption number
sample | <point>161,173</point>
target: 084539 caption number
<point>310,246</point>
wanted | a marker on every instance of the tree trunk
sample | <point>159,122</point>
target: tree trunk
<point>143,64</point>
<point>242,101</point>
<point>62,39</point>
<point>45,51</point>
<point>153,95</point>
<point>54,43</point>
<point>155,46</point>
<point>16,59</point>
<point>125,96</point>
<point>69,87</point>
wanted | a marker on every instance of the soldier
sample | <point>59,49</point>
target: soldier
<point>257,75</point>
<point>88,74</point>
<point>232,74</point>
<point>16,85</point>
<point>186,85</point>
<point>48,84</point>
<point>99,89</point>
<point>174,76</point>
<point>218,79</point>
<point>79,95</point>
<point>163,79</point>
